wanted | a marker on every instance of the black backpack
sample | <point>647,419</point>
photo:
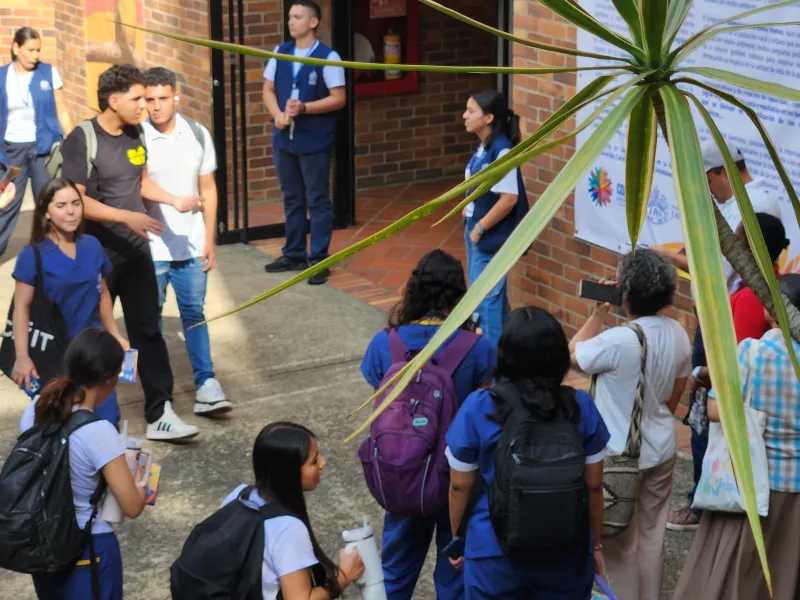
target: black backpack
<point>222,557</point>
<point>39,532</point>
<point>538,500</point>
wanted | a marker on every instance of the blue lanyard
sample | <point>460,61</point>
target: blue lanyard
<point>471,166</point>
<point>26,99</point>
<point>295,75</point>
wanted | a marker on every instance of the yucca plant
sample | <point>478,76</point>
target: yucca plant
<point>652,90</point>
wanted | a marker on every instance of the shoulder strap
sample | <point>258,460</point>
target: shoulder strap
<point>634,444</point>
<point>78,419</point>
<point>142,139</point>
<point>397,349</point>
<point>197,131</point>
<point>510,394</point>
<point>456,351</point>
<point>39,281</point>
<point>270,510</point>
<point>91,144</point>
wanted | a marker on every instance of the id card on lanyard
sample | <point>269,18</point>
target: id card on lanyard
<point>295,95</point>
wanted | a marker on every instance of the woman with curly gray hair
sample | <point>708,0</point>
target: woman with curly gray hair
<point>634,558</point>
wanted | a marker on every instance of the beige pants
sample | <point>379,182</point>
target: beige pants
<point>635,558</point>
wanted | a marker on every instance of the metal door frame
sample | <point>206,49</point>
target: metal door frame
<point>343,191</point>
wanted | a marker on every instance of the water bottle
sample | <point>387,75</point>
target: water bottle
<point>371,582</point>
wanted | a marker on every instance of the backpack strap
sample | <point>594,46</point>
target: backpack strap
<point>142,139</point>
<point>197,131</point>
<point>456,351</point>
<point>397,349</point>
<point>91,145</point>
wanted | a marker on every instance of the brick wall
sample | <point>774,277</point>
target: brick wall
<point>421,135</point>
<point>548,276</point>
<point>31,13</point>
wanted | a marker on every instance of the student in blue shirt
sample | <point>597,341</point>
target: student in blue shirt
<point>74,271</point>
<point>436,285</point>
<point>534,355</point>
<point>490,219</point>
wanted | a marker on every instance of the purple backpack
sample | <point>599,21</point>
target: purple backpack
<point>403,457</point>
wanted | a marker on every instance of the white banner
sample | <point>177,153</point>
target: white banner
<point>769,54</point>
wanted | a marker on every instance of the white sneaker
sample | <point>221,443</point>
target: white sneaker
<point>170,427</point>
<point>211,400</point>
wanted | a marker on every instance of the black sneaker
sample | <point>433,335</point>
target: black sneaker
<point>286,263</point>
<point>319,278</point>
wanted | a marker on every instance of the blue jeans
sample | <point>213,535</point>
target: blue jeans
<point>405,546</point>
<point>31,166</point>
<point>494,308</point>
<point>189,284</point>
<point>305,183</point>
<point>76,583</point>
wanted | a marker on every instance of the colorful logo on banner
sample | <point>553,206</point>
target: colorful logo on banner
<point>600,186</point>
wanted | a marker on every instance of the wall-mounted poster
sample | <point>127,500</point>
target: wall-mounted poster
<point>381,9</point>
<point>108,43</point>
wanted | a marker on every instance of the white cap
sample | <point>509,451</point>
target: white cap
<point>712,157</point>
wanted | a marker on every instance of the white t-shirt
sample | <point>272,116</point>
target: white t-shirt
<point>333,76</point>
<point>21,126</point>
<point>175,161</point>
<point>615,356</point>
<point>507,185</point>
<point>764,200</point>
<point>91,448</point>
<point>287,547</point>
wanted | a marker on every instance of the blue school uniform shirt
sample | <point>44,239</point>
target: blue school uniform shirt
<point>73,285</point>
<point>474,370</point>
<point>471,444</point>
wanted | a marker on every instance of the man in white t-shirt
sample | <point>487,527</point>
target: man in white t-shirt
<point>303,101</point>
<point>182,160</point>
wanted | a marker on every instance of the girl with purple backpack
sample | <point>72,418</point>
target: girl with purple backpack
<point>436,285</point>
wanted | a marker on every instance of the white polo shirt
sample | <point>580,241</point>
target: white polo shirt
<point>175,161</point>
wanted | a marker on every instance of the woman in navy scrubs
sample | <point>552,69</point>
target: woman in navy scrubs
<point>534,355</point>
<point>74,271</point>
<point>490,219</point>
<point>436,285</point>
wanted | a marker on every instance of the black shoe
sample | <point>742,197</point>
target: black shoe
<point>286,263</point>
<point>319,278</point>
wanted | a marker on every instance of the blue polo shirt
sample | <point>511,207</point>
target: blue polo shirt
<point>472,441</point>
<point>475,370</point>
<point>74,285</point>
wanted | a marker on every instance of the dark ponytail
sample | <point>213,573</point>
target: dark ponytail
<point>94,357</point>
<point>492,102</point>
<point>533,353</point>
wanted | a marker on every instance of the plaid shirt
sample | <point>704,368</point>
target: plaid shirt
<point>776,392</point>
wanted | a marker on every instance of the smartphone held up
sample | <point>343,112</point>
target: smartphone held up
<point>600,292</point>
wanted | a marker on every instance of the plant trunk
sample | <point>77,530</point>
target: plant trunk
<point>738,254</point>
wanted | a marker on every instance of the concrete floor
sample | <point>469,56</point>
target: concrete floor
<point>293,357</point>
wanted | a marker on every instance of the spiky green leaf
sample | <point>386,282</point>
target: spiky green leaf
<point>676,15</point>
<point>711,295</point>
<point>653,14</point>
<point>689,48</point>
<point>576,15</point>
<point>749,83</point>
<point>520,240</point>
<point>629,11</point>
<point>348,64</point>
<point>513,38</point>
<point>640,162</point>
<point>752,229</point>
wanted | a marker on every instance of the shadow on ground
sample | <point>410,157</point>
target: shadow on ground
<point>294,357</point>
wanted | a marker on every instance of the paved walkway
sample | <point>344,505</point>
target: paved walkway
<point>294,357</point>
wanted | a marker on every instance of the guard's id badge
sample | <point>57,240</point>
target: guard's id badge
<point>295,94</point>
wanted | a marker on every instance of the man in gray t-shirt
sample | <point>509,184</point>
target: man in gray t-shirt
<point>114,212</point>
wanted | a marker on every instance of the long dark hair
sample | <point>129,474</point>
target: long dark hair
<point>505,121</point>
<point>22,35</point>
<point>41,225</point>
<point>436,285</point>
<point>280,451</point>
<point>92,358</point>
<point>533,354</point>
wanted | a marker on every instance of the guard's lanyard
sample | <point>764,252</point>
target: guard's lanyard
<point>296,74</point>
<point>26,99</point>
